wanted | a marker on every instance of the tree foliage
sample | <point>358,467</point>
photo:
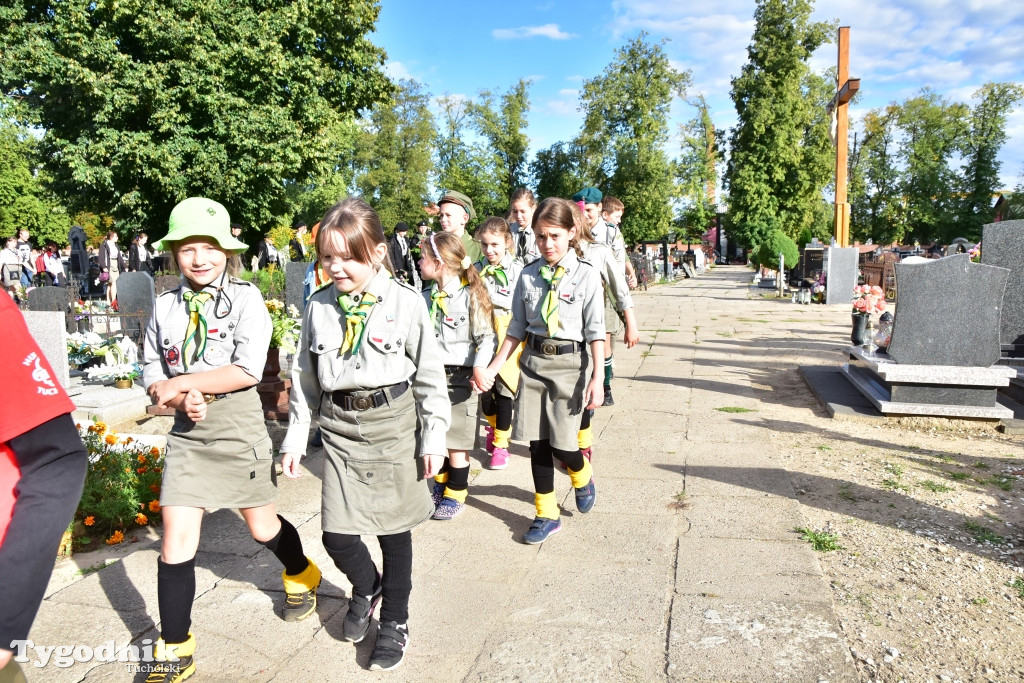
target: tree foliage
<point>777,242</point>
<point>697,169</point>
<point>625,129</point>
<point>144,104</point>
<point>465,165</point>
<point>503,126</point>
<point>555,171</point>
<point>777,168</point>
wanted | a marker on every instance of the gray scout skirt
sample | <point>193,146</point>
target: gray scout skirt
<point>224,461</point>
<point>372,481</point>
<point>462,434</point>
<point>549,404</point>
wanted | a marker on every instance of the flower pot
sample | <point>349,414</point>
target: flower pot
<point>860,324</point>
<point>272,369</point>
<point>123,383</point>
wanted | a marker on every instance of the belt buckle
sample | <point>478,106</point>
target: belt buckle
<point>362,403</point>
<point>549,348</point>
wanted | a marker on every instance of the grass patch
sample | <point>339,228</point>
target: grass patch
<point>475,472</point>
<point>895,485</point>
<point>735,409</point>
<point>1001,480</point>
<point>935,487</point>
<point>724,334</point>
<point>823,447</point>
<point>821,541</point>
<point>679,502</point>
<point>666,330</point>
<point>958,476</point>
<point>753,320</point>
<point>983,534</point>
<point>979,601</point>
<point>846,492</point>
<point>893,468</point>
<point>1018,585</point>
<point>980,465</point>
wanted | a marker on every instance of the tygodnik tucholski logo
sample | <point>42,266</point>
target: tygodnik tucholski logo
<point>62,656</point>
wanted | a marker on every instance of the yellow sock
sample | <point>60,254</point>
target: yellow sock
<point>547,505</point>
<point>585,438</point>
<point>162,652</point>
<point>501,438</point>
<point>441,478</point>
<point>581,478</point>
<point>306,580</point>
<point>492,420</point>
<point>459,496</point>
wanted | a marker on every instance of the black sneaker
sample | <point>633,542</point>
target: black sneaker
<point>389,650</point>
<point>317,441</point>
<point>608,400</point>
<point>360,612</point>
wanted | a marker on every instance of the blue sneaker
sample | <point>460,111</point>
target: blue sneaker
<point>541,529</point>
<point>448,509</point>
<point>437,493</point>
<point>317,441</point>
<point>586,496</point>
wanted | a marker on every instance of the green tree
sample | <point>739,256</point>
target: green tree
<point>464,166</point>
<point>979,148</point>
<point>504,128</point>
<point>555,171</point>
<point>625,129</point>
<point>876,205</point>
<point>144,104</point>
<point>776,170</point>
<point>394,156</point>
<point>697,169</point>
<point>777,242</point>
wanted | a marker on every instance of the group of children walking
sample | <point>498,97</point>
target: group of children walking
<point>394,375</point>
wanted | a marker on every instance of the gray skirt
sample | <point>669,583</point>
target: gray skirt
<point>224,461</point>
<point>549,405</point>
<point>462,434</point>
<point>373,480</point>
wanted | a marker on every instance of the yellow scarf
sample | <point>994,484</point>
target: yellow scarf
<point>549,313</point>
<point>195,333</point>
<point>355,320</point>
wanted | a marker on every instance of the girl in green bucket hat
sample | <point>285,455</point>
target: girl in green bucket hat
<point>205,349</point>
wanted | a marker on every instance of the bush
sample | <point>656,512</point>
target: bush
<point>270,281</point>
<point>775,243</point>
<point>122,487</point>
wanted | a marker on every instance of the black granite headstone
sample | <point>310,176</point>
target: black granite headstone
<point>165,282</point>
<point>1002,244</point>
<point>79,263</point>
<point>48,299</point>
<point>135,295</point>
<point>294,277</point>
<point>948,313</point>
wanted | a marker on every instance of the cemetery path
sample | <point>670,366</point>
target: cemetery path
<point>688,568</point>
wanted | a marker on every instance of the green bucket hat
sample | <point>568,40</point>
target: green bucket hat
<point>200,217</point>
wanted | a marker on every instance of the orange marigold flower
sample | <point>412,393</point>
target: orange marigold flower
<point>90,520</point>
<point>111,438</point>
<point>116,538</point>
<point>141,519</point>
<point>129,440</point>
<point>155,488</point>
<point>128,470</point>
<point>142,459</point>
<point>100,427</point>
<point>154,506</point>
<point>78,425</point>
<point>142,470</point>
<point>155,452</point>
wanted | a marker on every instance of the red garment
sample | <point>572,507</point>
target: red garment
<point>32,396</point>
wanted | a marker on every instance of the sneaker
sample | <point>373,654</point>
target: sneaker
<point>389,650</point>
<point>437,493</point>
<point>448,509</point>
<point>541,529</point>
<point>360,612</point>
<point>499,459</point>
<point>299,604</point>
<point>165,671</point>
<point>318,439</point>
<point>586,496</point>
<point>588,453</point>
<point>608,400</point>
<point>490,438</point>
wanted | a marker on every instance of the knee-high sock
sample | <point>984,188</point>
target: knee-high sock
<point>397,577</point>
<point>352,557</point>
<point>573,459</point>
<point>458,484</point>
<point>542,467</point>
<point>546,504</point>
<point>503,416</point>
<point>287,546</point>
<point>176,591</point>
<point>608,371</point>
<point>585,437</point>
<point>442,474</point>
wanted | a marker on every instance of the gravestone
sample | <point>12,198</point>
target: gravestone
<point>1002,244</point>
<point>294,277</point>
<point>48,299</point>
<point>841,264</point>
<point>949,313</point>
<point>47,329</point>
<point>164,282</point>
<point>79,263</point>
<point>135,297</point>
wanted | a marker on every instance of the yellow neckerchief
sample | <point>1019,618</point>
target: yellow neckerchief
<point>438,300</point>
<point>549,312</point>
<point>355,312</point>
<point>195,333</point>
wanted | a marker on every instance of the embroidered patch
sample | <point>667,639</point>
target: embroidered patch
<point>172,355</point>
<point>504,290</point>
<point>214,355</point>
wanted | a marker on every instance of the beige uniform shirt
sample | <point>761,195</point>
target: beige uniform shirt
<point>611,274</point>
<point>611,236</point>
<point>397,346</point>
<point>238,332</point>
<point>501,295</point>
<point>458,343</point>
<point>580,302</point>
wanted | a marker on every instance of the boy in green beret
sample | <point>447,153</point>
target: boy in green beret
<point>456,210</point>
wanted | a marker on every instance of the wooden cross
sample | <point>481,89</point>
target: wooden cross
<point>846,88</point>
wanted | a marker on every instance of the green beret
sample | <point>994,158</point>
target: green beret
<point>462,200</point>
<point>588,195</point>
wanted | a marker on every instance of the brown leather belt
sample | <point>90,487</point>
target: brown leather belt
<point>553,347</point>
<point>376,399</point>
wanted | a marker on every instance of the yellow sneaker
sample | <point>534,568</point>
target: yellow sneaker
<point>300,590</point>
<point>165,668</point>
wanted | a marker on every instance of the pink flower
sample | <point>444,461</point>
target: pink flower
<point>861,305</point>
<point>880,306</point>
<point>876,290</point>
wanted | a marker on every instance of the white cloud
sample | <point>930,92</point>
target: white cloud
<point>576,78</point>
<point>569,92</point>
<point>566,107</point>
<point>545,31</point>
<point>397,71</point>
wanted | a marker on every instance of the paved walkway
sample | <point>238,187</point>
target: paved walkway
<point>686,569</point>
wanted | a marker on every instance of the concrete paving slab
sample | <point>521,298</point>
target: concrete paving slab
<point>770,518</point>
<point>756,640</point>
<point>725,481</point>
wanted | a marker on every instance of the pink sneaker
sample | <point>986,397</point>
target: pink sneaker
<point>499,459</point>
<point>490,438</point>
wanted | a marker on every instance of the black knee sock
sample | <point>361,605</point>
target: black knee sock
<point>487,403</point>
<point>588,415</point>
<point>176,591</point>
<point>572,459</point>
<point>288,547</point>
<point>542,467</point>
<point>504,407</point>
<point>397,579</point>
<point>351,556</point>
<point>458,478</point>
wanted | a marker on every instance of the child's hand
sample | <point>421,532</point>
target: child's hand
<point>595,394</point>
<point>483,378</point>
<point>163,391</point>
<point>194,405</point>
<point>432,464</point>
<point>631,337</point>
<point>290,463</point>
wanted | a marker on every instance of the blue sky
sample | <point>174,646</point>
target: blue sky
<point>896,48</point>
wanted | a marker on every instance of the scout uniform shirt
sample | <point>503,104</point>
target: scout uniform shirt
<point>611,275</point>
<point>526,243</point>
<point>238,331</point>
<point>610,235</point>
<point>397,345</point>
<point>501,294</point>
<point>459,344</point>
<point>580,302</point>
